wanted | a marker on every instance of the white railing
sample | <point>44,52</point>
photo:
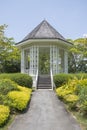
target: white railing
<point>52,83</point>
<point>36,78</point>
<point>34,74</point>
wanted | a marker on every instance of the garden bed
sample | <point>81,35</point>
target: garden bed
<point>14,98</point>
<point>73,92</point>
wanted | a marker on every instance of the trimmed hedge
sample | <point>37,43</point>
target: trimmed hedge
<point>4,114</point>
<point>19,99</point>
<point>20,79</point>
<point>61,79</point>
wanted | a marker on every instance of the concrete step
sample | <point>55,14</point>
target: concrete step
<point>44,87</point>
<point>44,82</point>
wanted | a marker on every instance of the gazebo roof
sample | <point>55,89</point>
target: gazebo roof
<point>44,31</point>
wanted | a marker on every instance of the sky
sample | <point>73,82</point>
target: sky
<point>68,17</point>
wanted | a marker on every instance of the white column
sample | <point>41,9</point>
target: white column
<point>35,63</point>
<point>65,62</point>
<point>26,60</point>
<point>58,60</point>
<point>22,61</point>
<point>37,57</point>
<point>31,60</point>
<point>51,59</point>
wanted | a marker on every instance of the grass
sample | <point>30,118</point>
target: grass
<point>5,127</point>
<point>81,119</point>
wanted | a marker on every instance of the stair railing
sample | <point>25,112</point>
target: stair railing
<point>52,83</point>
<point>36,78</point>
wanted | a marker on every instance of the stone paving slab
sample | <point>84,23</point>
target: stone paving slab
<point>46,112</point>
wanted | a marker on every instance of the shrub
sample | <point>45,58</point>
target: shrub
<point>19,99</point>
<point>21,79</point>
<point>3,99</point>
<point>83,107</point>
<point>71,98</point>
<point>61,79</point>
<point>4,114</point>
<point>7,85</point>
<point>61,92</point>
<point>24,89</point>
<point>74,93</point>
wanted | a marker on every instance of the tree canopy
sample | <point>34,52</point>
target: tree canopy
<point>78,56</point>
<point>9,54</point>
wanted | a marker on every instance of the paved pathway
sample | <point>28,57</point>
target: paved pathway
<point>46,112</point>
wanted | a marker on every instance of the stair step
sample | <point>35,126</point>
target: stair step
<point>44,87</point>
<point>44,82</point>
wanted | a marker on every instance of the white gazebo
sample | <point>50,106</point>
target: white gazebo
<point>44,51</point>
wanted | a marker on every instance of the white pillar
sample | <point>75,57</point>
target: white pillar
<point>51,58</point>
<point>54,59</point>
<point>31,60</point>
<point>22,61</point>
<point>65,62</point>
<point>58,60</point>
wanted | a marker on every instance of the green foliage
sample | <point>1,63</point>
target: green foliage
<point>4,114</point>
<point>19,99</point>
<point>6,85</point>
<point>2,99</point>
<point>78,56</point>
<point>9,54</point>
<point>74,93</point>
<point>21,79</point>
<point>61,79</point>
<point>13,97</point>
<point>44,62</point>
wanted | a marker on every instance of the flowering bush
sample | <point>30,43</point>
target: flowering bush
<point>4,114</point>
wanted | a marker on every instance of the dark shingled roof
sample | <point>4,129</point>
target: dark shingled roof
<point>44,31</point>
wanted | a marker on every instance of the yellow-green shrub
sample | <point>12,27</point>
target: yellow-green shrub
<point>4,114</point>
<point>61,92</point>
<point>20,99</point>
<point>74,93</point>
<point>67,89</point>
<point>24,89</point>
<point>71,98</point>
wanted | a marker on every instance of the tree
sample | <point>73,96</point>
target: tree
<point>9,54</point>
<point>78,56</point>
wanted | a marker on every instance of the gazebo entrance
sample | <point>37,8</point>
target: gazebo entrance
<point>44,51</point>
<point>44,60</point>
